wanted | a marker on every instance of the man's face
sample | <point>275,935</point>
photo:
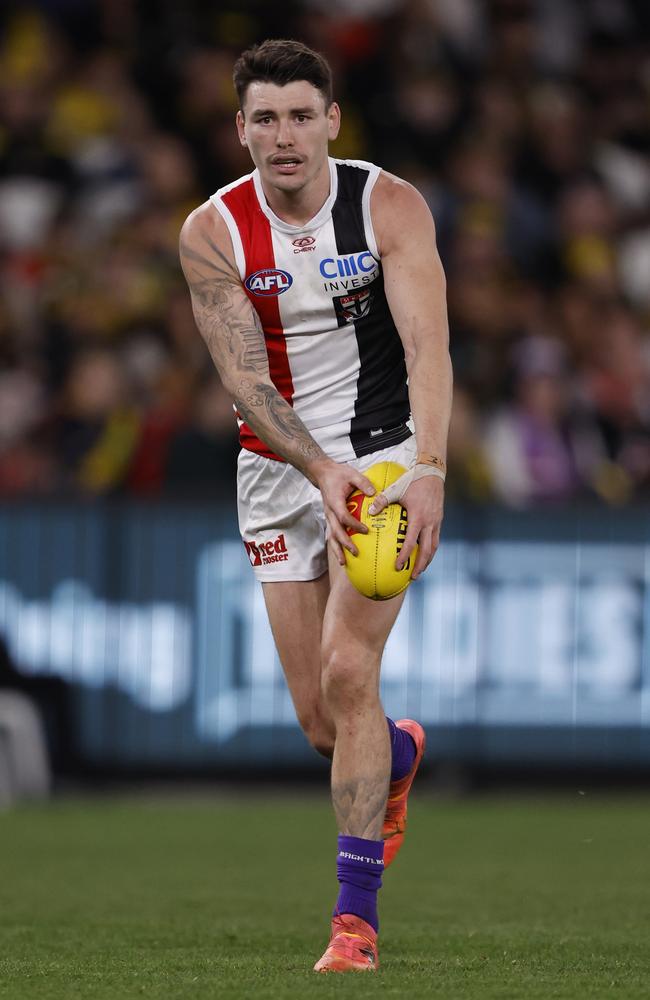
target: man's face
<point>287,131</point>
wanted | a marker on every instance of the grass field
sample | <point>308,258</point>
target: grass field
<point>509,898</point>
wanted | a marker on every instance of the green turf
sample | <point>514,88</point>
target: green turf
<point>505,898</point>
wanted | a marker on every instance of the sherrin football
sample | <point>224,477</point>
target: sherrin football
<point>373,571</point>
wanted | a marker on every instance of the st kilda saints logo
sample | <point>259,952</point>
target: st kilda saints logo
<point>352,307</point>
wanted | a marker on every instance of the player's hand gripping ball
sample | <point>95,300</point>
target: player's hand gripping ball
<point>373,571</point>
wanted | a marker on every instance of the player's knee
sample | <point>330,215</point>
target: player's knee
<point>346,683</point>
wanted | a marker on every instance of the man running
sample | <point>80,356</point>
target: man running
<point>317,286</point>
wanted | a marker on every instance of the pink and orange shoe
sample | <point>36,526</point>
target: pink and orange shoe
<point>352,947</point>
<point>395,819</point>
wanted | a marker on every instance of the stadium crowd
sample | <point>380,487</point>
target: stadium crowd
<point>526,124</point>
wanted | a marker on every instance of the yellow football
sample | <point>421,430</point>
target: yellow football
<point>373,571</point>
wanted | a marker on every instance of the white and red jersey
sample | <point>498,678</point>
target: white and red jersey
<point>333,348</point>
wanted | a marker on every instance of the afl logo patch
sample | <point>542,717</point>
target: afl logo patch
<point>269,281</point>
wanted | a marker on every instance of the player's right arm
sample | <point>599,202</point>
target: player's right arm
<point>234,336</point>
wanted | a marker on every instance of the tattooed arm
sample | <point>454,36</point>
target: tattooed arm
<point>231,329</point>
<point>233,333</point>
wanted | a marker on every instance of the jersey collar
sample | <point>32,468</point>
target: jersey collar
<point>314,223</point>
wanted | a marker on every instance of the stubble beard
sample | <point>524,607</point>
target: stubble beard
<point>288,185</point>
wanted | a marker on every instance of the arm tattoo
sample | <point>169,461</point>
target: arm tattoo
<point>222,311</point>
<point>234,335</point>
<point>251,397</point>
<point>255,356</point>
<point>226,267</point>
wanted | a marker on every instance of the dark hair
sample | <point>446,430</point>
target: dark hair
<point>281,61</point>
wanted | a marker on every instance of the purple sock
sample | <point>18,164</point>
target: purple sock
<point>359,866</point>
<point>403,749</point>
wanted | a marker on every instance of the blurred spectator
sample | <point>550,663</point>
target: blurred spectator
<point>530,442</point>
<point>468,469</point>
<point>165,391</point>
<point>95,431</point>
<point>203,455</point>
<point>586,225</point>
<point>615,380</point>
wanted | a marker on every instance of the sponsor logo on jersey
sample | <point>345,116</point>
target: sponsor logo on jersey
<point>352,307</point>
<point>348,266</point>
<point>304,244</point>
<point>265,553</point>
<point>269,281</point>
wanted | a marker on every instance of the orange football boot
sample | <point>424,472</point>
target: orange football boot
<point>352,947</point>
<point>395,819</point>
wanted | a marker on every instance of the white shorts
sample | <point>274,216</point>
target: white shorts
<point>281,516</point>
